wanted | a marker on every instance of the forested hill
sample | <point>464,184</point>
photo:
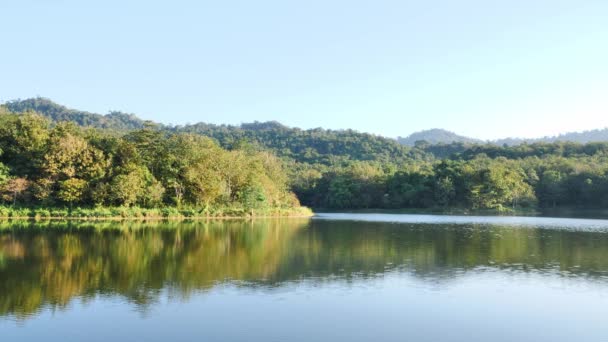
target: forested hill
<point>339,169</point>
<point>58,113</point>
<point>311,146</point>
<point>436,136</point>
<point>596,135</point>
<point>443,137</point>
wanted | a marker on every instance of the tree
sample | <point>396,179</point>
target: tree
<point>444,191</point>
<point>551,190</point>
<point>71,190</point>
<point>70,155</point>
<point>204,183</point>
<point>154,193</point>
<point>126,188</point>
<point>252,196</point>
<point>14,188</point>
<point>23,139</point>
<point>42,189</point>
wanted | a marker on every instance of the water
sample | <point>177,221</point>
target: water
<point>337,277</point>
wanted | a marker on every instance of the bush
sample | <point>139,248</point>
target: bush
<point>42,213</point>
<point>102,212</point>
<point>170,212</point>
<point>5,212</point>
<point>189,212</point>
<point>119,212</point>
<point>152,213</point>
<point>58,212</point>
<point>20,212</point>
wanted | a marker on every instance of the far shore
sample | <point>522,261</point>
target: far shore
<point>566,211</point>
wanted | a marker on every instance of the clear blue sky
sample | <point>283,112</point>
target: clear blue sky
<point>482,68</point>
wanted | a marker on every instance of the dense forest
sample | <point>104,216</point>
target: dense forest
<point>436,136</point>
<point>55,155</point>
<point>62,164</point>
<point>311,146</point>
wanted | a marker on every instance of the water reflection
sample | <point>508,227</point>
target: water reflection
<point>48,265</point>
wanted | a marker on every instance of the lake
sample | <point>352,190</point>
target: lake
<point>335,277</point>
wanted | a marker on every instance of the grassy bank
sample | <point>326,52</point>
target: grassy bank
<point>109,213</point>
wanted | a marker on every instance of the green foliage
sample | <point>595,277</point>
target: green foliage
<point>71,190</point>
<point>58,113</point>
<point>317,146</point>
<point>145,168</point>
<point>435,136</point>
<point>202,169</point>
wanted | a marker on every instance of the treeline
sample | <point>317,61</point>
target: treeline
<point>138,163</point>
<point>478,183</point>
<point>315,146</point>
<point>65,165</point>
<point>114,120</point>
<point>539,149</point>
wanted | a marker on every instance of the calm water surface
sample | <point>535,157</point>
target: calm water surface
<point>337,277</point>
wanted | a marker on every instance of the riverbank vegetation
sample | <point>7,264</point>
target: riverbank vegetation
<point>54,157</point>
<point>479,183</point>
<point>145,172</point>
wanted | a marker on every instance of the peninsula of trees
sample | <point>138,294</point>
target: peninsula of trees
<point>53,156</point>
<point>48,164</point>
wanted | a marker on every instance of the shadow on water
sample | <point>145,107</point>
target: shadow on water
<point>50,264</point>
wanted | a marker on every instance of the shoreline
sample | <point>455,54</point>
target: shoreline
<point>559,212</point>
<point>437,211</point>
<point>144,214</point>
<point>146,218</point>
<point>154,215</point>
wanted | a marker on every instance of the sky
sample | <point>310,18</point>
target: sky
<point>486,69</point>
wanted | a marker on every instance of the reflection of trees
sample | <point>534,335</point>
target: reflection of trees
<point>365,249</point>
<point>45,266</point>
<point>49,267</point>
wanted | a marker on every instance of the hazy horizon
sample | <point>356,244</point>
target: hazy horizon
<point>479,69</point>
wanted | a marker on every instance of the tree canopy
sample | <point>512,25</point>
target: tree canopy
<point>71,157</point>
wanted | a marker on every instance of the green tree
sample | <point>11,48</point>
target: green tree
<point>72,190</point>
<point>14,188</point>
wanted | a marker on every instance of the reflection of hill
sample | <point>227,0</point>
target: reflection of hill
<point>49,267</point>
<point>367,249</point>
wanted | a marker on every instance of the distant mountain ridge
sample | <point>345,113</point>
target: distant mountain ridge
<point>58,113</point>
<point>437,136</point>
<point>595,135</point>
<point>315,145</point>
<point>441,136</point>
<point>297,140</point>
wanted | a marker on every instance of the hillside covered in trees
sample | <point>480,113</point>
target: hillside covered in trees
<point>66,165</point>
<point>436,136</point>
<point>58,113</point>
<point>312,146</point>
<point>61,156</point>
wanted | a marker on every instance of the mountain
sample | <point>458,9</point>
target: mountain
<point>596,135</point>
<point>441,136</point>
<point>436,136</point>
<point>57,113</point>
<point>310,146</point>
